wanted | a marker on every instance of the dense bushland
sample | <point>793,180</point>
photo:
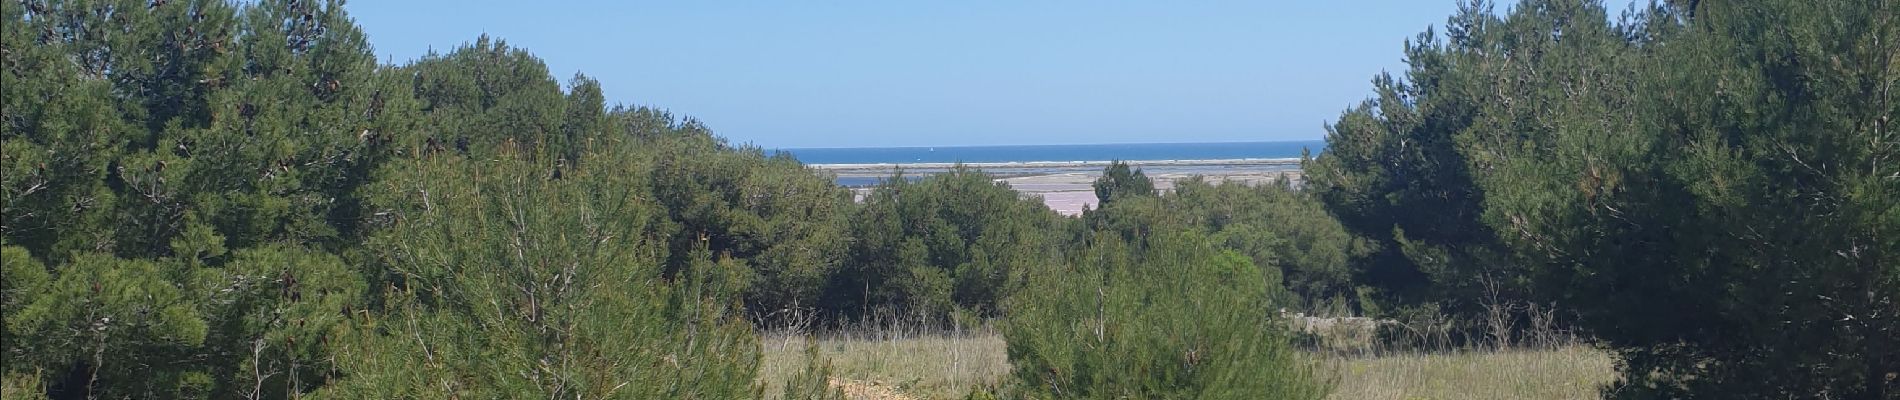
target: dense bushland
<point>506,283</point>
<point>955,241</point>
<point>206,199</point>
<point>1707,187</point>
<point>1285,231</point>
<point>1178,318</point>
<point>785,226</point>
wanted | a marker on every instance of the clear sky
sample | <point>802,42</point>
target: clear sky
<point>865,73</point>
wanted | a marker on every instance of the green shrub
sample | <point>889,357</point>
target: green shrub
<point>1284,231</point>
<point>954,241</point>
<point>787,225</point>
<point>814,382</point>
<point>1180,319</point>
<point>507,283</point>
<point>1707,187</point>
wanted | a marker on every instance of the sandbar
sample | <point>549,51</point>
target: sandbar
<point>1067,186</point>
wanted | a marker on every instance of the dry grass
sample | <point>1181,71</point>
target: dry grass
<point>946,366</point>
<point>1566,372</point>
<point>1504,358</point>
<point>892,364</point>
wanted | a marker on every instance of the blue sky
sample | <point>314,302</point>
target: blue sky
<point>848,73</point>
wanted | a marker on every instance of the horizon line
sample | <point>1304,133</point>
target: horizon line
<point>1032,145</point>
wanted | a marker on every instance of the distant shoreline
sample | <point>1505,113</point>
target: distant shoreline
<point>1067,186</point>
<point>887,167</point>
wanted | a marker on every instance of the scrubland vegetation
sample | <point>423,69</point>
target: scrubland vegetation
<point>895,363</point>
<point>893,360</point>
<point>207,199</point>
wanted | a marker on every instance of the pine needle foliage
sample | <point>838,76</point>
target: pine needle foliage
<point>1707,187</point>
<point>813,382</point>
<point>1180,319</point>
<point>507,283</point>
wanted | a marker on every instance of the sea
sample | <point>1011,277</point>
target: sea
<point>1052,153</point>
<point>1056,153</point>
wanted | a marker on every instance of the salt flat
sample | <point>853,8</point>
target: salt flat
<point>1069,193</point>
<point>1067,187</point>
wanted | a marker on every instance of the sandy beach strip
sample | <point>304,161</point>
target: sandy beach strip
<point>886,167</point>
<point>1067,187</point>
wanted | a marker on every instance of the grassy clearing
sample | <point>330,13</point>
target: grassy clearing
<point>899,365</point>
<point>1567,372</point>
<point>892,365</point>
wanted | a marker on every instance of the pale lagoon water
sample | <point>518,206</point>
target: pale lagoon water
<point>1033,160</point>
<point>1056,153</point>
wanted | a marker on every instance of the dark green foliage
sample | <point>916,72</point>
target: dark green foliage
<point>486,97</point>
<point>814,382</point>
<point>259,324</point>
<point>294,132</point>
<point>1706,186</point>
<point>1284,231</point>
<point>508,283</point>
<point>952,241</point>
<point>785,224</point>
<point>65,122</point>
<point>158,158</point>
<point>1393,174</point>
<point>1119,182</point>
<point>182,203</point>
<point>1731,231</point>
<point>584,122</point>
<point>1180,319</point>
<point>203,199</point>
<point>107,319</point>
<point>1281,229</point>
<point>644,123</point>
<point>21,281</point>
<point>275,313</point>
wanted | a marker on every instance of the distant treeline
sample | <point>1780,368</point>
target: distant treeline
<point>208,199</point>
<point>204,199</point>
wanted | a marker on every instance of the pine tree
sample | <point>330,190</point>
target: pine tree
<point>1119,181</point>
<point>1703,184</point>
<point>1173,318</point>
<point>508,283</point>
